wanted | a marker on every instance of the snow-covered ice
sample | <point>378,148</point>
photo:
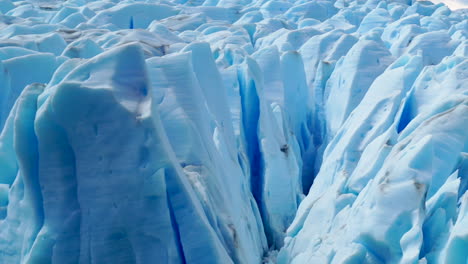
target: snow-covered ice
<point>233,131</point>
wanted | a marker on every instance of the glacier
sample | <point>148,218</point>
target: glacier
<point>234,131</point>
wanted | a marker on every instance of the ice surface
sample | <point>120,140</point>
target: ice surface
<point>222,131</point>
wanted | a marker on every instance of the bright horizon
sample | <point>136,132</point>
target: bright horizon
<point>453,4</point>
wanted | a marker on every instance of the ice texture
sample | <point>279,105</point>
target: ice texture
<point>233,131</point>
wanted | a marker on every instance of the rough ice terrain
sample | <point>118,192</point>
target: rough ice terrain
<point>233,131</point>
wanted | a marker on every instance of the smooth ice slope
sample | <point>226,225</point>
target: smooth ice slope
<point>222,131</point>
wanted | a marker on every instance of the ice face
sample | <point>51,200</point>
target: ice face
<point>221,131</point>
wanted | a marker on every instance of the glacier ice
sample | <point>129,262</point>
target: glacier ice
<point>233,131</point>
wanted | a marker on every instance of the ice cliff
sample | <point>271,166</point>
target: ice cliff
<point>233,131</point>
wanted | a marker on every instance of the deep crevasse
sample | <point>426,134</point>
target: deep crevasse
<point>215,131</point>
